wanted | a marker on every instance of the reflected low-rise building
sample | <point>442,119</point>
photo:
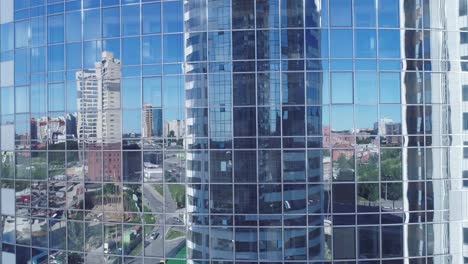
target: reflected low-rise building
<point>234,131</point>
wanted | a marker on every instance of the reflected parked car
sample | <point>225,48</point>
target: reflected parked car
<point>154,235</point>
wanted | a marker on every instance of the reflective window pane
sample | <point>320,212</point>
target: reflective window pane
<point>292,13</point>
<point>244,121</point>
<point>267,13</point>
<point>388,13</point>
<point>365,84</point>
<point>151,18</point>
<point>91,24</point>
<point>340,13</point>
<point>130,56</point>
<point>341,45</point>
<point>242,14</point>
<point>388,47</point>
<point>293,121</point>
<point>342,87</point>
<point>390,88</point>
<point>110,22</point>
<point>55,30</point>
<point>344,248</point>
<point>365,13</point>
<point>151,49</point>
<point>172,48</point>
<point>72,20</point>
<point>172,16</point>
<point>130,20</point>
<point>365,43</point>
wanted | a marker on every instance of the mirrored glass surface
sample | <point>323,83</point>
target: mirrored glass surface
<point>222,131</point>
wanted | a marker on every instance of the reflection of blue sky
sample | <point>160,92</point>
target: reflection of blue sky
<point>152,92</point>
<point>388,13</point>
<point>151,18</point>
<point>365,64</point>
<point>391,111</point>
<point>342,117</point>
<point>366,87</point>
<point>364,13</point>
<point>8,102</point>
<point>366,93</point>
<point>173,93</point>
<point>131,121</point>
<point>38,92</point>
<point>173,114</point>
<point>131,15</point>
<point>389,43</point>
<point>151,49</point>
<point>110,22</point>
<point>131,93</point>
<point>72,19</point>
<point>91,18</point>
<point>112,45</point>
<point>22,96</point>
<point>73,55</point>
<point>173,48</point>
<point>340,13</point>
<point>341,43</point>
<point>55,57</point>
<point>71,96</point>
<point>92,53</point>
<point>173,99</point>
<point>390,88</point>
<point>365,43</point>
<point>131,51</point>
<point>366,116</point>
<point>172,12</point>
<point>342,87</point>
<point>56,98</point>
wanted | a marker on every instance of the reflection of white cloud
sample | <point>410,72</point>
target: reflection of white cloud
<point>6,71</point>
<point>7,133</point>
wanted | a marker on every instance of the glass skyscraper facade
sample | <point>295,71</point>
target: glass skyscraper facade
<point>234,131</point>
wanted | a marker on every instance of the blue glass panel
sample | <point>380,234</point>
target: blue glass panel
<point>91,24</point>
<point>151,18</point>
<point>172,16</point>
<point>130,51</point>
<point>110,22</point>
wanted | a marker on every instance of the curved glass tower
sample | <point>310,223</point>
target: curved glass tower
<point>234,131</point>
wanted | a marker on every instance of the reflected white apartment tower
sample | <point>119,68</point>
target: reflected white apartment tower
<point>147,123</point>
<point>99,119</point>
<point>99,115</point>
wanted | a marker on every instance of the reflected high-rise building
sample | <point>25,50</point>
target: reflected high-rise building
<point>147,120</point>
<point>223,106</point>
<point>99,117</point>
<point>152,122</point>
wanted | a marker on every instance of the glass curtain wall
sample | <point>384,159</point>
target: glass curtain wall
<point>234,131</point>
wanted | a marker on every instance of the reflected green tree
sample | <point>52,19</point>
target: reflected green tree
<point>75,258</point>
<point>369,191</point>
<point>392,191</point>
<point>391,164</point>
<point>345,168</point>
<point>369,171</point>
